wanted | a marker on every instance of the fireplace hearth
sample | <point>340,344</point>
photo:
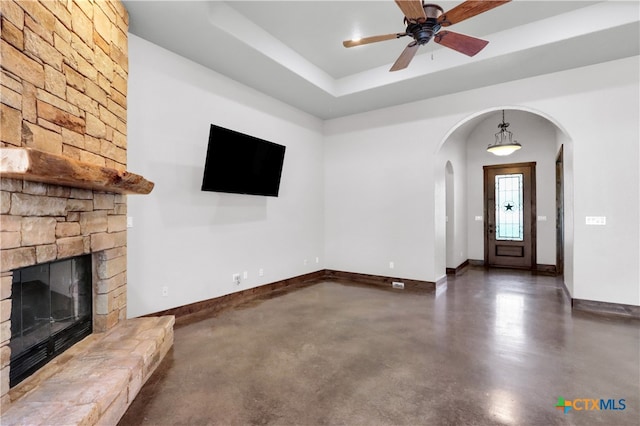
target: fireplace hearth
<point>51,310</point>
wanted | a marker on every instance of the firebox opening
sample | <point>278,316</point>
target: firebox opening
<point>51,310</point>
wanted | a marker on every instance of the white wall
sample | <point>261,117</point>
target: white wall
<point>381,186</point>
<point>192,241</point>
<point>365,190</point>
<point>454,153</point>
<point>606,182</point>
<point>378,196</point>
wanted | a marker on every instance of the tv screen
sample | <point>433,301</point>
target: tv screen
<point>242,164</point>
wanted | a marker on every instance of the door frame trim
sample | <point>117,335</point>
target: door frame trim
<point>560,212</point>
<point>533,218</point>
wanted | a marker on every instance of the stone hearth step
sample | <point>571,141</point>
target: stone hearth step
<point>95,381</point>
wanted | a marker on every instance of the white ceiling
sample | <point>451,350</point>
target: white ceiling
<point>292,50</point>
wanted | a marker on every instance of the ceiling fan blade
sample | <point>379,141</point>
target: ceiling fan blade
<point>405,57</point>
<point>460,42</point>
<point>372,39</point>
<point>467,10</point>
<point>412,9</point>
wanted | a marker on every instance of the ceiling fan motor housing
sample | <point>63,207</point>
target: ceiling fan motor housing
<point>422,32</point>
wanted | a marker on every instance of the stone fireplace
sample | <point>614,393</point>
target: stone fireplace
<point>63,103</point>
<point>44,223</point>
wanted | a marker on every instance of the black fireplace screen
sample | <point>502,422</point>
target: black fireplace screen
<point>51,309</point>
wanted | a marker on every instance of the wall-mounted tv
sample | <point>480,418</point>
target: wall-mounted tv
<point>242,164</point>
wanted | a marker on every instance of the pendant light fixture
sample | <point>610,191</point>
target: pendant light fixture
<point>504,143</point>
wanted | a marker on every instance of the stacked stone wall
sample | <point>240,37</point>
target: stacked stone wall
<point>63,89</point>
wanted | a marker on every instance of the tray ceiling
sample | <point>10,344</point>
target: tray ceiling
<point>292,50</point>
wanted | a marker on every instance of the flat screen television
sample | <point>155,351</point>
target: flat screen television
<point>242,164</point>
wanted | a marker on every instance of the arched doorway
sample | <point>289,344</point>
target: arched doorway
<point>463,149</point>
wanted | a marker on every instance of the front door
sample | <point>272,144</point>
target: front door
<point>510,213</point>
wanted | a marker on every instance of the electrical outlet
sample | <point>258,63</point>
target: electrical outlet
<point>392,265</point>
<point>397,284</point>
<point>245,275</point>
<point>317,259</point>
<point>165,291</point>
<point>260,272</point>
<point>305,262</point>
<point>236,279</point>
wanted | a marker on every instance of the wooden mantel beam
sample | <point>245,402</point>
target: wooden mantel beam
<point>39,166</point>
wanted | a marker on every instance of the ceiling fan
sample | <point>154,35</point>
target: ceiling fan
<point>424,21</point>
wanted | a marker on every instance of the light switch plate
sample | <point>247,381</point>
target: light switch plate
<point>595,220</point>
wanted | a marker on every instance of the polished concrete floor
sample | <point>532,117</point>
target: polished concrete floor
<point>495,348</point>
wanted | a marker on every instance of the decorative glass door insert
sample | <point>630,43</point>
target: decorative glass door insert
<point>509,207</point>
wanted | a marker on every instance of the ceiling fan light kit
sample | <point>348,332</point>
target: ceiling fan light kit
<point>504,144</point>
<point>424,21</point>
